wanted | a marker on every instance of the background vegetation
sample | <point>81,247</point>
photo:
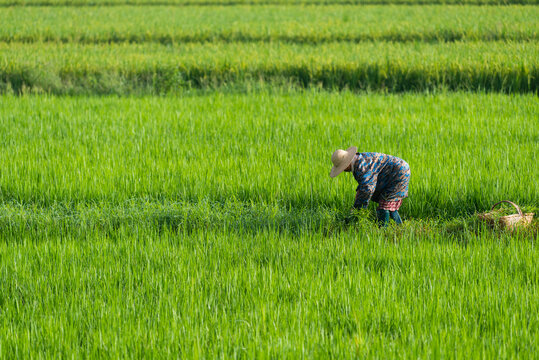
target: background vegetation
<point>164,49</point>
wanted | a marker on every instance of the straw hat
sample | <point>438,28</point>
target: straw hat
<point>341,159</point>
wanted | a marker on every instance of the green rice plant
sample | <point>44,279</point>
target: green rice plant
<point>206,225</point>
<point>353,294</point>
<point>291,24</point>
<point>259,156</point>
<point>155,69</point>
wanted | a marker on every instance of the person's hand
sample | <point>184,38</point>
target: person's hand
<point>352,216</point>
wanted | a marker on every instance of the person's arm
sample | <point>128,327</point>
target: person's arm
<point>364,193</point>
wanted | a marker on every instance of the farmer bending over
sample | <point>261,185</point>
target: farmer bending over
<point>381,178</point>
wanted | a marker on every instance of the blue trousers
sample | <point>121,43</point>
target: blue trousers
<point>384,215</point>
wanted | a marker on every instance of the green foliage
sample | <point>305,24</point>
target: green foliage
<point>157,69</point>
<point>361,293</point>
<point>160,49</point>
<point>290,24</point>
<point>266,148</point>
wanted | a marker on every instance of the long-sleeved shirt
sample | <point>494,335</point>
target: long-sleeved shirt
<point>379,177</point>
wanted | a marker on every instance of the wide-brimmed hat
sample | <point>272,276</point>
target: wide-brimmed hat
<point>341,159</point>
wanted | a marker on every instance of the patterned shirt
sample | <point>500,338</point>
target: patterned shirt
<point>379,177</point>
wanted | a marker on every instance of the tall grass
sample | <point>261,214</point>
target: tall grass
<point>291,24</point>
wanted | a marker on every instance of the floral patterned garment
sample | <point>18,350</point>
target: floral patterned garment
<point>380,177</point>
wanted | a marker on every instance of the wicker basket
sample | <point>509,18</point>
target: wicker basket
<point>508,221</point>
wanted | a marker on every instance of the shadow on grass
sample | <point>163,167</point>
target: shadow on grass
<point>146,217</point>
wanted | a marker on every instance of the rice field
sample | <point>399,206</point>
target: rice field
<point>137,227</point>
<point>156,50</point>
<point>291,24</point>
<point>165,189</point>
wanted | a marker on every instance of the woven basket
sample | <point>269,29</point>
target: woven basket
<point>508,221</point>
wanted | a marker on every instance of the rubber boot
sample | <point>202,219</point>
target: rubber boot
<point>383,217</point>
<point>396,217</point>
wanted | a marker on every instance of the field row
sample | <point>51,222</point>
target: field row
<point>298,24</point>
<point>259,153</point>
<point>94,69</point>
<point>9,3</point>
